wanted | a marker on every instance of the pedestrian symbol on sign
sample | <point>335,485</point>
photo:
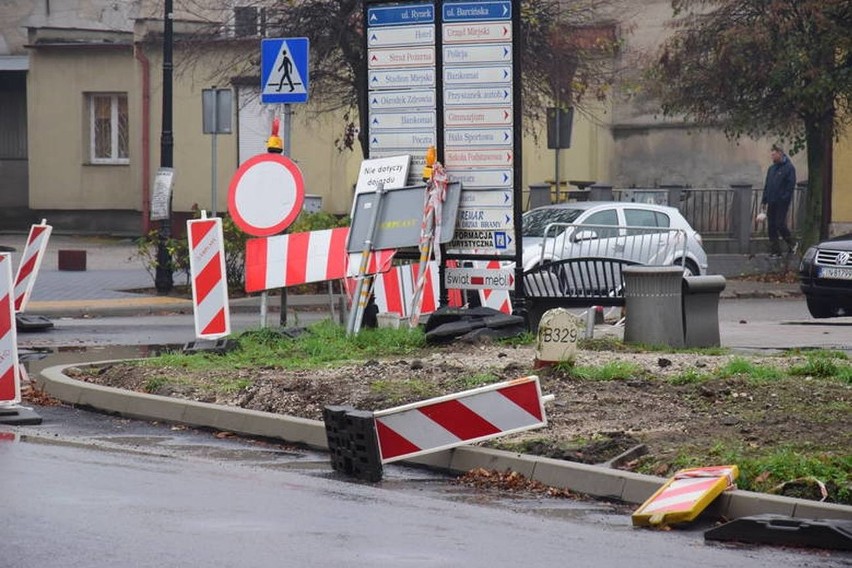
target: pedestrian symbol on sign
<point>284,70</point>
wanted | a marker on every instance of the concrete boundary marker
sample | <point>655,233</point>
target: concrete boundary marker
<point>595,481</point>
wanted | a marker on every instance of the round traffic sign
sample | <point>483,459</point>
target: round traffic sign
<point>266,194</point>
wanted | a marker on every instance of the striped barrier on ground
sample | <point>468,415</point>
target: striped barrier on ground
<point>462,418</point>
<point>209,282</point>
<point>685,495</point>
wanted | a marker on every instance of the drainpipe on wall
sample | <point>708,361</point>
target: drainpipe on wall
<point>146,137</point>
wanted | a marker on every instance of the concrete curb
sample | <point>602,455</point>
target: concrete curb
<point>595,481</point>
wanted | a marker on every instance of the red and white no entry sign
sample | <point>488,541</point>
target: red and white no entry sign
<point>266,194</point>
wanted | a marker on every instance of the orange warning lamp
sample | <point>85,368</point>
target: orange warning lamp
<point>431,158</point>
<point>274,144</point>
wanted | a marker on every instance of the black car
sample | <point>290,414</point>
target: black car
<point>826,277</point>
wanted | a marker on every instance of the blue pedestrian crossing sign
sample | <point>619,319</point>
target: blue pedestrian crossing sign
<point>284,70</point>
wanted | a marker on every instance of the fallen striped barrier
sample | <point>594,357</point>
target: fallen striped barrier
<point>361,442</point>
<point>684,496</point>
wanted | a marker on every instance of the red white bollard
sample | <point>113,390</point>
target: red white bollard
<point>30,263</point>
<point>209,282</point>
<point>10,380</point>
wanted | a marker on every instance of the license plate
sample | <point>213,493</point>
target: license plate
<point>836,273</point>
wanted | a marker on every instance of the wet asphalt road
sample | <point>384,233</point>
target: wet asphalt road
<point>88,490</point>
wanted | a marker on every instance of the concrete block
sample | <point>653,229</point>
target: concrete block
<point>71,260</point>
<point>103,398</point>
<point>290,428</point>
<point>153,407</point>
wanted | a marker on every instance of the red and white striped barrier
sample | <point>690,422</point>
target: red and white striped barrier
<point>458,419</point>
<point>30,263</point>
<point>495,299</point>
<point>10,379</point>
<point>685,495</point>
<point>394,290</point>
<point>302,258</point>
<point>209,281</point>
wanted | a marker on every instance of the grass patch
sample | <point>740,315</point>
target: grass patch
<point>612,371</point>
<point>824,366</point>
<point>690,377</point>
<point>322,344</point>
<point>741,367</point>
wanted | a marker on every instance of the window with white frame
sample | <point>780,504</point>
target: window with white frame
<point>108,128</point>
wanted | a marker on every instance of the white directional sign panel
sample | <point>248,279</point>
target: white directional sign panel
<point>480,278</point>
<point>499,75</point>
<point>408,35</point>
<point>284,70</point>
<point>491,218</point>
<point>481,242</point>
<point>401,62</point>
<point>486,198</point>
<point>401,57</point>
<point>494,116</point>
<point>497,53</point>
<point>472,63</point>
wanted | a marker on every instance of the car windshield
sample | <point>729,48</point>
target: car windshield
<point>537,220</point>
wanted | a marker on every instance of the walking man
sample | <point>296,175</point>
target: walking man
<point>777,195</point>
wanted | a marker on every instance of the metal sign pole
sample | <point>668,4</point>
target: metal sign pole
<point>213,151</point>
<point>282,318</point>
<point>361,296</point>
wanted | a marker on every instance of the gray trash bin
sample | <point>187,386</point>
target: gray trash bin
<point>701,310</point>
<point>653,300</point>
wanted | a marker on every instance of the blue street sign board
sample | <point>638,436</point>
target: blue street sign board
<point>408,14</point>
<point>284,70</point>
<point>477,11</point>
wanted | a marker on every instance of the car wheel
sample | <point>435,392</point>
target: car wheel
<point>689,268</point>
<point>820,308</point>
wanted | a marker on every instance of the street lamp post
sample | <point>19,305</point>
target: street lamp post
<point>163,278</point>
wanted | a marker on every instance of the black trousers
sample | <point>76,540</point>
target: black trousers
<point>776,219</point>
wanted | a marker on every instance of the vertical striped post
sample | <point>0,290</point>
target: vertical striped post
<point>30,263</point>
<point>10,379</point>
<point>209,282</point>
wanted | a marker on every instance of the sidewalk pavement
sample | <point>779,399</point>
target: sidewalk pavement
<point>112,270</point>
<point>116,282</point>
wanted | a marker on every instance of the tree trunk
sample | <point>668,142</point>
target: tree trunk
<point>819,133</point>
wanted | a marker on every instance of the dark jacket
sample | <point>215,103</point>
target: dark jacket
<point>780,182</point>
